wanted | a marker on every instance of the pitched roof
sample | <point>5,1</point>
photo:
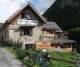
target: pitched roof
<point>58,40</point>
<point>52,26</point>
<point>19,10</point>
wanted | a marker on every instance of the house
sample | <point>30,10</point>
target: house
<point>54,35</point>
<point>28,26</point>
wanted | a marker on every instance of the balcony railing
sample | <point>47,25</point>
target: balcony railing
<point>47,38</point>
<point>24,22</point>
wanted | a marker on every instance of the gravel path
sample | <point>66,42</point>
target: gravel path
<point>8,60</point>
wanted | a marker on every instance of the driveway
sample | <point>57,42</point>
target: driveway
<point>8,60</point>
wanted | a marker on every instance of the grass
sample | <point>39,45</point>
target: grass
<point>55,63</point>
<point>11,50</point>
<point>64,56</point>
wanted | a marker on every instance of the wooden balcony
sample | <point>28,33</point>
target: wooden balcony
<point>24,22</point>
<point>59,40</point>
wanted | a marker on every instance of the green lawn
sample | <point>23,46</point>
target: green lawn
<point>65,56</point>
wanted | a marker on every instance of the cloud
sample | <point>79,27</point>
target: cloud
<point>4,1</point>
<point>8,7</point>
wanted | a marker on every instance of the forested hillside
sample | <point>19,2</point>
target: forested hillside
<point>66,13</point>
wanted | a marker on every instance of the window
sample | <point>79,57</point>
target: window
<point>28,32</point>
<point>62,46</point>
<point>25,31</point>
<point>67,45</point>
<point>28,17</point>
<point>49,32</point>
<point>29,46</point>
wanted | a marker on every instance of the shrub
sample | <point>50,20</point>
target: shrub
<point>11,44</point>
<point>6,43</point>
<point>16,45</point>
<point>20,54</point>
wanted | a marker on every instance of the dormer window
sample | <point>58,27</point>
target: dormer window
<point>28,17</point>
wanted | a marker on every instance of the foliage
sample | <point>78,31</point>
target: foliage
<point>20,53</point>
<point>75,34</point>
<point>11,44</point>
<point>28,57</point>
<point>65,56</point>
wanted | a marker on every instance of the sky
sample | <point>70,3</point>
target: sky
<point>8,7</point>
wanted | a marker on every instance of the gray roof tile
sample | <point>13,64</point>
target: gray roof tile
<point>51,26</point>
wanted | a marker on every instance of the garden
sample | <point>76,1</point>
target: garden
<point>35,58</point>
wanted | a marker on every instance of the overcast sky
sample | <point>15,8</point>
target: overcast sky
<point>8,7</point>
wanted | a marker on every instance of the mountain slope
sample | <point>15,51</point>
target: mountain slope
<point>65,12</point>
